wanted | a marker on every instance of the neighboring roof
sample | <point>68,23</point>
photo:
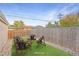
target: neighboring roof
<point>37,27</point>
<point>27,27</point>
<point>2,18</point>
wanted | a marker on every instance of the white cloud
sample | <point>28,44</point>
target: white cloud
<point>52,15</point>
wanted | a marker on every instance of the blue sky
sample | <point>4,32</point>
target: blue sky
<point>33,14</point>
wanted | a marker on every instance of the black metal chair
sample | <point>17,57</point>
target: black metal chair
<point>41,41</point>
<point>32,37</point>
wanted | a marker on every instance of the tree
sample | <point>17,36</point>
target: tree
<point>49,25</point>
<point>56,23</point>
<point>18,24</point>
<point>70,20</point>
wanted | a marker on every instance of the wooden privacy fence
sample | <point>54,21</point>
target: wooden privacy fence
<point>19,32</point>
<point>66,38</point>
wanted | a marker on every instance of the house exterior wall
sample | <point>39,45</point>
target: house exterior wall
<point>3,34</point>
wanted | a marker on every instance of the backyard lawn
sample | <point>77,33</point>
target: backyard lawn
<point>39,51</point>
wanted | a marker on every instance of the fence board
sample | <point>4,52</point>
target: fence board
<point>64,37</point>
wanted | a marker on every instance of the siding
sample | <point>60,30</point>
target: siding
<point>3,34</point>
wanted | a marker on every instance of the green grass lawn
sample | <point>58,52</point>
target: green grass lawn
<point>40,51</point>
